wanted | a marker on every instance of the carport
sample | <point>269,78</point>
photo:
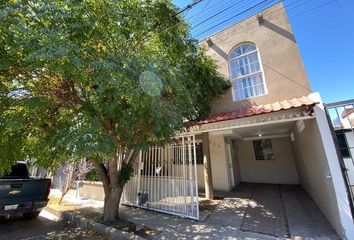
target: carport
<point>283,149</point>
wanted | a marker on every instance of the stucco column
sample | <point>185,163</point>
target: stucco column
<point>208,179</point>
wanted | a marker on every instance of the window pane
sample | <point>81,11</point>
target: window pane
<point>344,149</point>
<point>238,90</point>
<point>241,50</point>
<point>259,90</point>
<point>244,65</point>
<point>246,72</point>
<point>250,86</point>
<point>250,48</point>
<point>263,149</point>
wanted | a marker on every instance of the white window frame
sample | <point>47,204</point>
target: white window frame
<point>234,97</point>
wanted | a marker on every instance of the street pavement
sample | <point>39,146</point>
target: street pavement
<point>44,227</point>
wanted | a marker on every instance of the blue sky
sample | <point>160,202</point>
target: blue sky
<point>324,30</point>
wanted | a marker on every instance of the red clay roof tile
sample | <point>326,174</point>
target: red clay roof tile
<point>260,109</point>
<point>347,112</point>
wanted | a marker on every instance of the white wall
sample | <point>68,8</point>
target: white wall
<point>316,175</point>
<point>282,170</point>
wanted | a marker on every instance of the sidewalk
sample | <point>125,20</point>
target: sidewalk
<point>223,223</point>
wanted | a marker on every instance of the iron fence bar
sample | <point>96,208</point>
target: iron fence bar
<point>196,176</point>
<point>167,175</point>
<point>339,104</point>
<point>185,176</point>
<point>339,153</point>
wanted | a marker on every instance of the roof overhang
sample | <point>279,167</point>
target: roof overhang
<point>278,112</point>
<point>270,118</point>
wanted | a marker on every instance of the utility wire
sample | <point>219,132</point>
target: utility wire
<point>158,23</point>
<point>205,8</point>
<point>311,9</point>
<point>218,13</point>
<point>270,15</point>
<point>234,10</point>
<point>246,26</point>
<point>228,19</point>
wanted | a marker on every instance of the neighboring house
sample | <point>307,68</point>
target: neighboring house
<point>342,118</point>
<point>269,127</point>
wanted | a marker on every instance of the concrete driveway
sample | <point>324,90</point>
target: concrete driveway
<point>252,211</point>
<point>44,227</point>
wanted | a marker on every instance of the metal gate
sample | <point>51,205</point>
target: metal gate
<point>341,118</point>
<point>165,180</point>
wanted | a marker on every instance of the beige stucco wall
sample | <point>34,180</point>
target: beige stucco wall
<point>313,169</point>
<point>218,165</point>
<point>200,174</point>
<point>92,190</point>
<point>284,71</point>
<point>282,170</point>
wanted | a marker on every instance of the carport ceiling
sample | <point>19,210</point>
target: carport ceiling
<point>264,130</point>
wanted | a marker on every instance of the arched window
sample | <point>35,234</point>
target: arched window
<point>246,72</point>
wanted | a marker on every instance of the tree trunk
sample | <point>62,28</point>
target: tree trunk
<point>63,195</point>
<point>111,204</point>
<point>112,188</point>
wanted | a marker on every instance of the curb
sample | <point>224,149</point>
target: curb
<point>98,227</point>
<point>54,211</point>
<point>90,224</point>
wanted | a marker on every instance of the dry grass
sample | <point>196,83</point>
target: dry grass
<point>64,206</point>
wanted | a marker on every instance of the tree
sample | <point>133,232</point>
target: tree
<point>103,79</point>
<point>74,171</point>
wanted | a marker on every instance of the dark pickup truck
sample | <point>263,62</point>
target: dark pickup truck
<point>22,194</point>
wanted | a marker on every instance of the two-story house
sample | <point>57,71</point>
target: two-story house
<point>268,128</point>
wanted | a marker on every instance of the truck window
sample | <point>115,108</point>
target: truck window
<point>18,171</point>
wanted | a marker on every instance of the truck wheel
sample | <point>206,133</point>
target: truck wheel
<point>31,215</point>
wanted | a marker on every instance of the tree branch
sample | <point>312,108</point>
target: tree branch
<point>102,171</point>
<point>133,157</point>
<point>128,156</point>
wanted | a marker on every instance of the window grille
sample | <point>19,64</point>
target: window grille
<point>198,151</point>
<point>263,149</point>
<point>344,149</point>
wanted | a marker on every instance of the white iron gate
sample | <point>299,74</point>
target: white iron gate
<point>340,116</point>
<point>165,180</point>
